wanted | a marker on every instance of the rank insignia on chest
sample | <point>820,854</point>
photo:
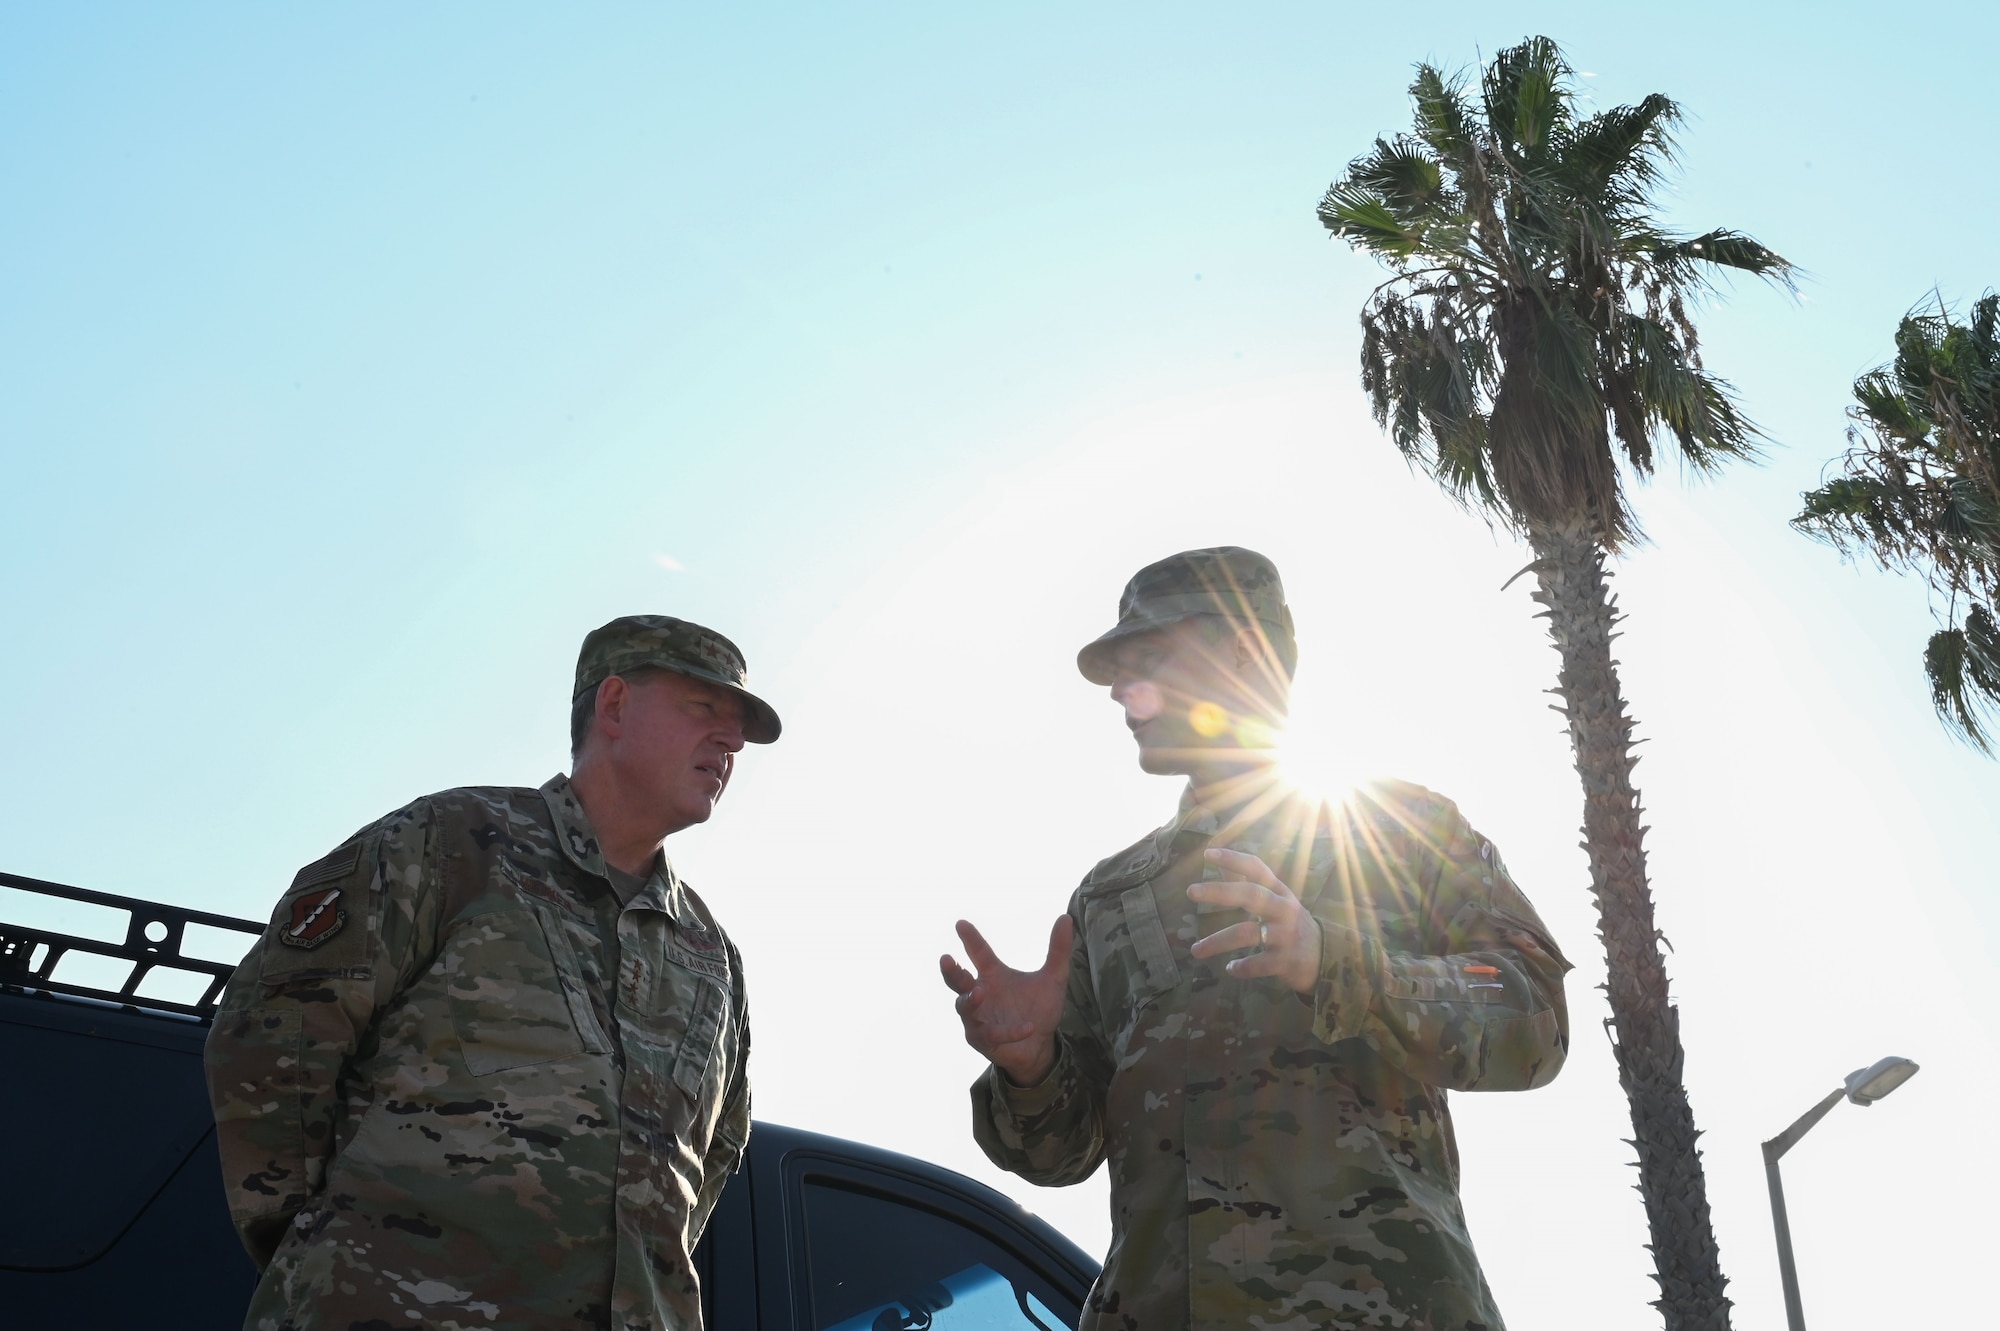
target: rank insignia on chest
<point>316,917</point>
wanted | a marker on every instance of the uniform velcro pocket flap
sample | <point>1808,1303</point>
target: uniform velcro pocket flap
<point>315,975</point>
<point>1479,925</point>
<point>569,973</point>
<point>255,1059</point>
<point>1149,938</point>
<point>1537,931</point>
<point>507,996</point>
<point>698,1045</point>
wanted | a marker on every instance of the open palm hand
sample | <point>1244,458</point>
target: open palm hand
<point>1010,1015</point>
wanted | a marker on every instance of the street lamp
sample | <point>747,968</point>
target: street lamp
<point>1863,1087</point>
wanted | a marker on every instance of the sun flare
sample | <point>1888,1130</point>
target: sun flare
<point>1324,771</point>
<point>1335,739</point>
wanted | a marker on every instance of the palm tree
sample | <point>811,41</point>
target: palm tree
<point>1535,334</point>
<point>1920,490</point>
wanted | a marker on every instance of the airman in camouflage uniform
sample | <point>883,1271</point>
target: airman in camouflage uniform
<point>1281,1153</point>
<point>475,1075</point>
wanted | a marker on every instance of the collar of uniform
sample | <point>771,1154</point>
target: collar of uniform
<point>662,891</point>
<point>1194,816</point>
<point>1260,807</point>
<point>573,831</point>
<point>1273,817</point>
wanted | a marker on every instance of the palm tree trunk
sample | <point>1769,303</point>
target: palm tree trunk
<point>1646,1027</point>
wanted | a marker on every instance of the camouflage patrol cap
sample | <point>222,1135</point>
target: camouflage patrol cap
<point>1226,580</point>
<point>632,641</point>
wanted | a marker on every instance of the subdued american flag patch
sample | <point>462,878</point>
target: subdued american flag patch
<point>328,867</point>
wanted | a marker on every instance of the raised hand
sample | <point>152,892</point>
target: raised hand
<point>1280,926</point>
<point>1010,1016</point>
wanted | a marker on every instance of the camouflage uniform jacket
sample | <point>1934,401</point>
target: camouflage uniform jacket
<point>456,1085</point>
<point>1284,1160</point>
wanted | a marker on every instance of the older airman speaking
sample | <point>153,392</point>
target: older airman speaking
<point>1255,1013</point>
<point>487,1065</point>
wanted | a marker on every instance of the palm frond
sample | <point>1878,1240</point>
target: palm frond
<point>1970,514</point>
<point>1627,147</point>
<point>1984,325</point>
<point>1697,409</point>
<point>1364,218</point>
<point>1527,95</point>
<point>1716,431</point>
<point>1727,249</point>
<point>1424,377</point>
<point>1851,510</point>
<point>1631,423</point>
<point>1402,175</point>
<point>1919,491</point>
<point>1881,404</point>
<point>1444,119</point>
<point>1962,665</point>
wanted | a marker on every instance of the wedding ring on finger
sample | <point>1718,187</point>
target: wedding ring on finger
<point>1263,934</point>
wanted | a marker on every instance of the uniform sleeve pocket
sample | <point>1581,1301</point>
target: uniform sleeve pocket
<point>255,1059</point>
<point>1437,984</point>
<point>255,1055</point>
<point>508,1000</point>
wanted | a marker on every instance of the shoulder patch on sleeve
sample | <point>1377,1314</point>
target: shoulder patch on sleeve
<point>315,917</point>
<point>327,868</point>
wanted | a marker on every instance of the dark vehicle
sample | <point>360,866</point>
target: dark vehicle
<point>112,1215</point>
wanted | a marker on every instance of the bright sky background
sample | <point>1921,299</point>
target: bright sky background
<point>354,363</point>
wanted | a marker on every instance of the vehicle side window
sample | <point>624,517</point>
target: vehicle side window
<point>883,1263</point>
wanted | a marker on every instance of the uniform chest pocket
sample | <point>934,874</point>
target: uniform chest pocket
<point>681,1049</point>
<point>1156,971</point>
<point>697,1050</point>
<point>510,1002</point>
<point>1131,962</point>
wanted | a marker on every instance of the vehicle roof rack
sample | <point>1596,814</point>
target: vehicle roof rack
<point>153,934</point>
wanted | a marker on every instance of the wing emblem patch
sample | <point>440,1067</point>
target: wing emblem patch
<point>315,918</point>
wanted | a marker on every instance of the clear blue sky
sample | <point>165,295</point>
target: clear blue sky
<point>354,363</point>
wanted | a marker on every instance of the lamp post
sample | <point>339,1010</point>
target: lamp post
<point>1863,1087</point>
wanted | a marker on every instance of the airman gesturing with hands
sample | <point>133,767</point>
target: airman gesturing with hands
<point>1261,1057</point>
<point>1282,930</point>
<point>1011,1016</point>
